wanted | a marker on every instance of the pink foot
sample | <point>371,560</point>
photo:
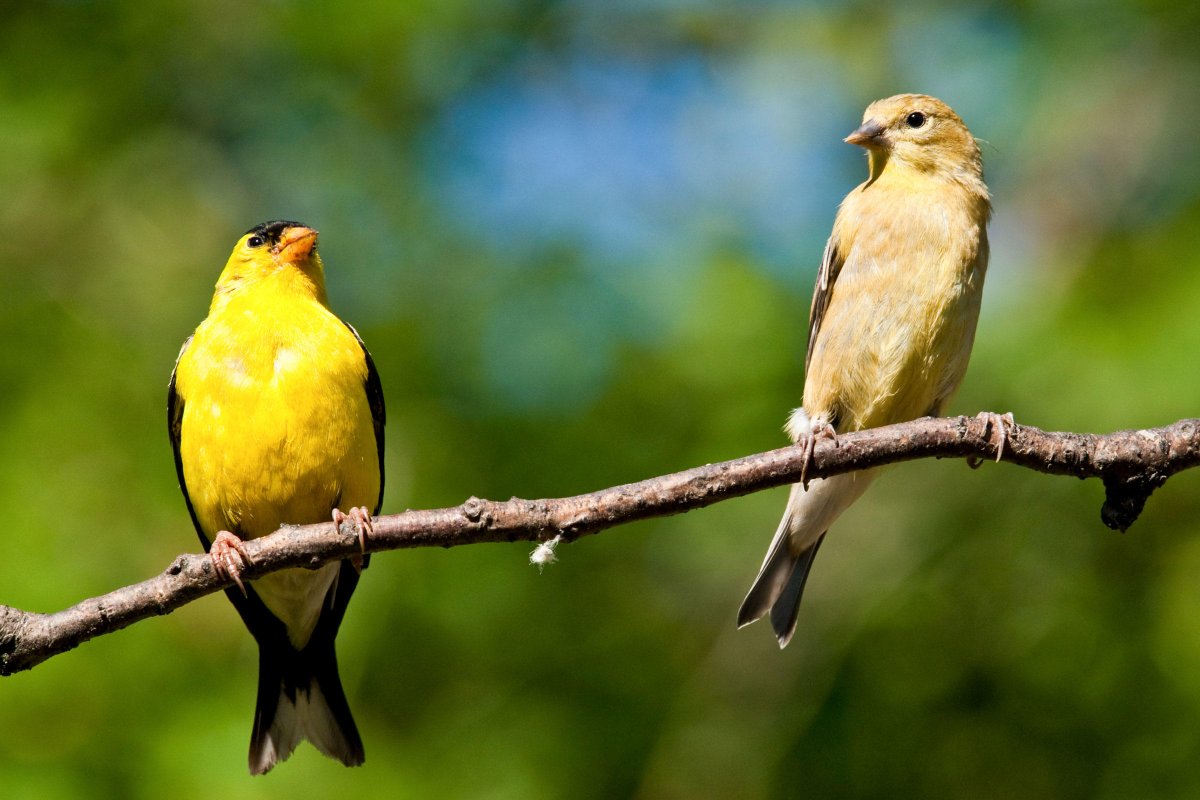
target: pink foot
<point>229,557</point>
<point>360,518</point>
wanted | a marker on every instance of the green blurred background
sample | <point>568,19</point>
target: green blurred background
<point>579,238</point>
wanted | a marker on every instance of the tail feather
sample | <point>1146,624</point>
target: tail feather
<point>772,578</point>
<point>787,607</point>
<point>300,697</point>
<point>779,586</point>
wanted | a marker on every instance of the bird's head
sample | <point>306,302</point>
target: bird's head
<point>279,249</point>
<point>919,132</point>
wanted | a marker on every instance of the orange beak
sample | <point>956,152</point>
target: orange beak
<point>296,244</point>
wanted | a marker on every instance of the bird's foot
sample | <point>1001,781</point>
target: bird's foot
<point>360,519</point>
<point>996,428</point>
<point>229,557</point>
<point>805,431</point>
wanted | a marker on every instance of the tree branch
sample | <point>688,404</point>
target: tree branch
<point>1131,464</point>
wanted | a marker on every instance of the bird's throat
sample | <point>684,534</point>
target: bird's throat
<point>877,160</point>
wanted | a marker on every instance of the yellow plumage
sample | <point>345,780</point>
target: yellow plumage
<point>277,418</point>
<point>894,345</point>
<point>893,315</point>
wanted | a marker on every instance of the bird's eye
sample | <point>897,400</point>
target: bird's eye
<point>915,120</point>
<point>255,241</point>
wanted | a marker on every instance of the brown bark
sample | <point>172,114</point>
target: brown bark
<point>1131,464</point>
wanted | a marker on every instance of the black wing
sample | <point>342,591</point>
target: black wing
<point>831,266</point>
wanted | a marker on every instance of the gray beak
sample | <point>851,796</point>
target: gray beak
<point>869,134</point>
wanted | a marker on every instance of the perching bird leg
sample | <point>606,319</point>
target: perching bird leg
<point>360,518</point>
<point>801,427</point>
<point>996,428</point>
<point>229,557</point>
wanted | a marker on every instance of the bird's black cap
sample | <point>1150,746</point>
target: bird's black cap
<point>271,231</point>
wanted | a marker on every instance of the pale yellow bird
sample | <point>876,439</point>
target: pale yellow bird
<point>893,316</point>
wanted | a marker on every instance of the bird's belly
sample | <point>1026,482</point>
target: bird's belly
<point>296,597</point>
<point>890,358</point>
<point>254,468</point>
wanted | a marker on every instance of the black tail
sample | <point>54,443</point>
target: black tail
<point>300,697</point>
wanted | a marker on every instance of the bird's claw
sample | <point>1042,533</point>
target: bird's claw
<point>229,557</point>
<point>996,428</point>
<point>360,518</point>
<point>822,429</point>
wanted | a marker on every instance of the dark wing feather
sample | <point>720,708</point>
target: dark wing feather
<point>831,266</point>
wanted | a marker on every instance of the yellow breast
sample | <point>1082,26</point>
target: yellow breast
<point>276,428</point>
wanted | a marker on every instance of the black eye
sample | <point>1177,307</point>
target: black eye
<point>255,241</point>
<point>915,120</point>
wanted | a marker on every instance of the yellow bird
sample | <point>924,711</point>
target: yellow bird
<point>893,316</point>
<point>276,416</point>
